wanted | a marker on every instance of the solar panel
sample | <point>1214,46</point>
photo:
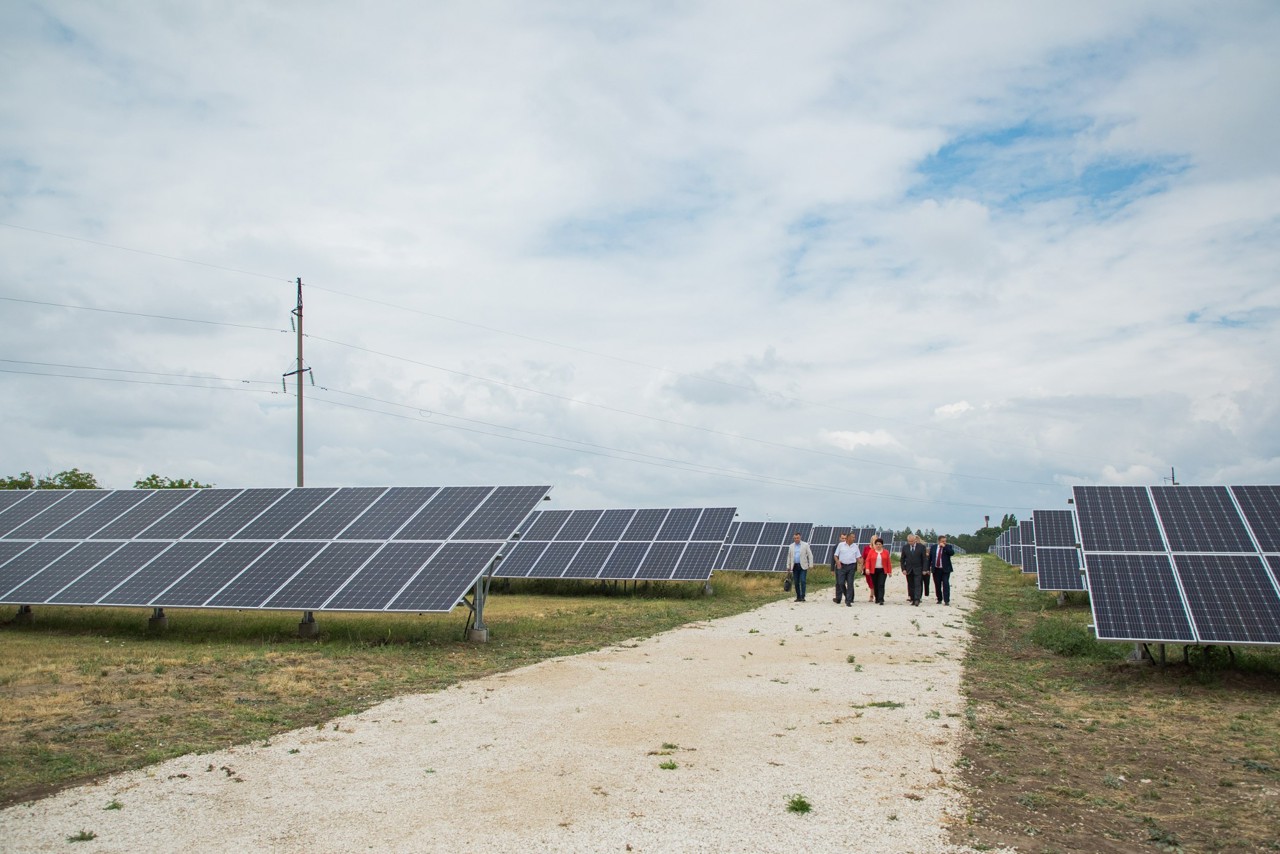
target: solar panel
<point>101,579</point>
<point>1028,559</point>
<point>1261,508</point>
<point>236,514</point>
<point>773,538</point>
<point>748,533</point>
<point>134,521</point>
<point>284,515</point>
<point>1232,598</point>
<point>1135,597</point>
<point>611,525</point>
<point>31,504</point>
<point>1218,578</point>
<point>445,513</point>
<point>60,573</point>
<point>100,515</point>
<point>196,588</point>
<point>10,497</point>
<point>76,502</point>
<point>1054,528</point>
<point>380,580</point>
<point>579,525</point>
<point>188,514</point>
<point>389,513</point>
<point>1058,569</point>
<point>557,545</point>
<point>1117,519</point>
<point>262,578</point>
<point>305,548</point>
<point>1201,519</point>
<point>329,520</point>
<point>325,573</point>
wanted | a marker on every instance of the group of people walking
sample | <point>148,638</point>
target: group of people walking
<point>918,562</point>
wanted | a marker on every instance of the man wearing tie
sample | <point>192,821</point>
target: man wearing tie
<point>940,564</point>
<point>914,562</point>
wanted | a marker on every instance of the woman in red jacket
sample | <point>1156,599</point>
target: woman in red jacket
<point>879,565</point>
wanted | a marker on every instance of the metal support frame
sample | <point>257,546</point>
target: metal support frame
<point>308,627</point>
<point>477,631</point>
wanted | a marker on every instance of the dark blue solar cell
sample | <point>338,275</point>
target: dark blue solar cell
<point>775,534</point>
<point>197,586</point>
<point>696,562</point>
<point>329,520</point>
<point>661,560</point>
<point>1135,598</point>
<point>1054,528</point>
<point>32,503</point>
<point>1058,569</point>
<point>1261,508</point>
<point>519,559</point>
<point>713,524</point>
<point>645,525</point>
<point>382,578</point>
<point>580,524</point>
<point>285,514</point>
<point>545,525</point>
<point>190,513</point>
<point>76,502</point>
<point>327,571</point>
<point>155,506</point>
<point>679,524</point>
<point>738,557</point>
<point>236,514</point>
<point>589,560</point>
<point>156,576</point>
<point>60,573</point>
<point>500,514</point>
<point>1029,559</point>
<point>1201,519</point>
<point>260,581</point>
<point>445,513</point>
<point>624,561</point>
<point>118,502</point>
<point>1117,519</point>
<point>446,578</point>
<point>766,558</point>
<point>389,513</point>
<point>611,525</point>
<point>1231,597</point>
<point>30,561</point>
<point>554,560</point>
<point>99,580</point>
<point>748,533</point>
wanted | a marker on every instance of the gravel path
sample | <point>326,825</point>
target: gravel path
<point>857,709</point>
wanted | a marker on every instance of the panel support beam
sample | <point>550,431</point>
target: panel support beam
<point>308,628</point>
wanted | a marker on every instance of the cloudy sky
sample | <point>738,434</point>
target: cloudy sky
<point>871,263</point>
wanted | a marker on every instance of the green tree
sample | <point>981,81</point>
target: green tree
<point>26,480</point>
<point>155,481</point>
<point>69,479</point>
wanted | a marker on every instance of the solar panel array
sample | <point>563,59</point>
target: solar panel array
<point>670,544</point>
<point>762,546</point>
<point>1057,559</point>
<point>1027,539</point>
<point>308,548</point>
<point>1182,564</point>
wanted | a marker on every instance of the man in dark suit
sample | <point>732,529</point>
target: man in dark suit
<point>940,565</point>
<point>914,562</point>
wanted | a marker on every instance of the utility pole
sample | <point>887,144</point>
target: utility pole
<point>301,369</point>
<point>308,628</point>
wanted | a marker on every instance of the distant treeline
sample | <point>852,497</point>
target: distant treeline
<point>76,479</point>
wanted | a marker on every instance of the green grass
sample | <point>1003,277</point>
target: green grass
<point>89,691</point>
<point>799,804</point>
<point>1071,744</point>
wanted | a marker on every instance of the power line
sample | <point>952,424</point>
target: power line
<point>127,371</point>
<point>142,314</point>
<point>139,382</point>
<point>145,252</point>
<point>1004,442</point>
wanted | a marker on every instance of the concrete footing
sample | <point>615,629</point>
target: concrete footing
<point>478,635</point>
